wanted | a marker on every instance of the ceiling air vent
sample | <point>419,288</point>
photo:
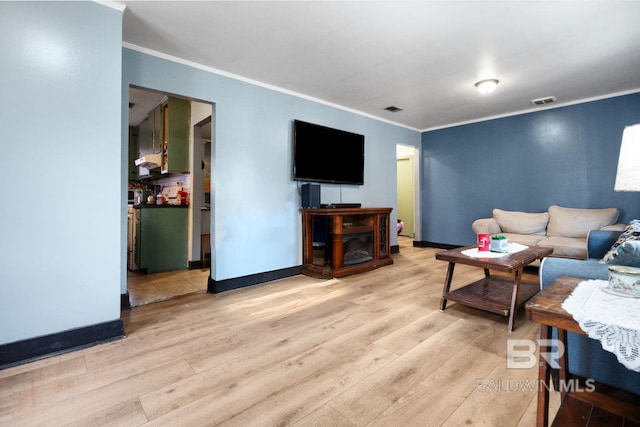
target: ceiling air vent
<point>393,109</point>
<point>544,101</point>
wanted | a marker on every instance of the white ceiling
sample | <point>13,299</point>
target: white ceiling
<point>423,57</point>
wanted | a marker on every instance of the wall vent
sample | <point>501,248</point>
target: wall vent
<point>544,101</point>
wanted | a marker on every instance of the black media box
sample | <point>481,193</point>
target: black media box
<point>311,195</point>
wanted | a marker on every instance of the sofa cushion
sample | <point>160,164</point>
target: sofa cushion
<point>521,222</point>
<point>566,247</point>
<point>631,233</point>
<point>572,222</point>
<point>524,239</point>
<point>486,225</point>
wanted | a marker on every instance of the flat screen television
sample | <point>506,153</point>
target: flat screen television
<point>323,154</point>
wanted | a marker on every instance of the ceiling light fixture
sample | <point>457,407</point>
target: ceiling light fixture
<point>486,86</point>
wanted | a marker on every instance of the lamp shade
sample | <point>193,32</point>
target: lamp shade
<point>628,175</point>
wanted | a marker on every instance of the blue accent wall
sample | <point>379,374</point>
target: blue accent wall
<point>565,156</point>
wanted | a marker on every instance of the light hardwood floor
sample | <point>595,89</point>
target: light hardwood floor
<point>366,350</point>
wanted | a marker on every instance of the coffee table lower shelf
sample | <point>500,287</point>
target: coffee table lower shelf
<point>493,294</point>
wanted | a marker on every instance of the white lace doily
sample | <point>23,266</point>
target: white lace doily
<point>613,320</point>
<point>512,247</point>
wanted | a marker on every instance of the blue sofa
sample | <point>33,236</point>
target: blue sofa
<point>586,356</point>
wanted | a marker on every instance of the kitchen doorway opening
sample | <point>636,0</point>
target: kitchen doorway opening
<point>169,181</point>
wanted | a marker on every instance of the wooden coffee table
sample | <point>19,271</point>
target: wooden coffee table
<point>498,293</point>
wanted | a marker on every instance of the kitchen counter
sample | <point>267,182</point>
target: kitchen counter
<point>153,206</point>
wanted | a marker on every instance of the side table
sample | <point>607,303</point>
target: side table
<point>580,406</point>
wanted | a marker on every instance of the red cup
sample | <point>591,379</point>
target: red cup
<point>484,242</point>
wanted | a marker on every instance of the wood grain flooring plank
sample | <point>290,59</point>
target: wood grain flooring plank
<point>224,403</point>
<point>125,414</point>
<point>255,338</point>
<point>324,416</point>
<point>373,329</point>
<point>456,379</point>
<point>303,398</point>
<point>368,399</point>
<point>27,380</point>
<point>60,387</point>
<point>432,400</point>
<point>77,407</point>
<point>245,363</point>
<point>508,392</point>
<point>405,338</point>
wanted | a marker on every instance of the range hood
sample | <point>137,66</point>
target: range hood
<point>150,161</point>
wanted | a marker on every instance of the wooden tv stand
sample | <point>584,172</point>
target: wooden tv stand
<point>342,241</point>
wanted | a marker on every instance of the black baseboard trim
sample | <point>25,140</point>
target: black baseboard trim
<point>125,304</point>
<point>194,265</point>
<point>216,286</point>
<point>20,352</point>
<point>395,249</point>
<point>423,244</point>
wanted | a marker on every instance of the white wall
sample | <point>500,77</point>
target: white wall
<point>61,211</point>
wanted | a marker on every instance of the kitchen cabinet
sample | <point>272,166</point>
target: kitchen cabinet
<point>157,135</point>
<point>133,152</point>
<point>150,133</point>
<point>162,238</point>
<point>149,140</point>
<point>176,122</point>
<point>165,131</point>
<point>145,142</point>
<point>145,145</point>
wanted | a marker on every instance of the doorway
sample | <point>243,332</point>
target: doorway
<point>407,179</point>
<point>201,185</point>
<point>146,285</point>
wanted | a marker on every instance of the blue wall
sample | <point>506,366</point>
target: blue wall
<point>564,156</point>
